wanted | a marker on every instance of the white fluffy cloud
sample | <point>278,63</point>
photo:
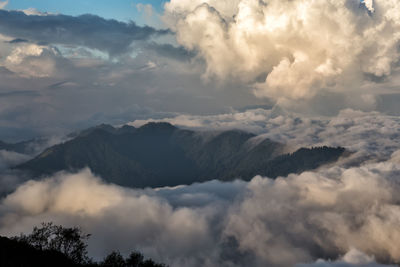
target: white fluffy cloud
<point>118,218</point>
<point>332,211</point>
<point>300,46</point>
<point>35,12</point>
<point>31,60</point>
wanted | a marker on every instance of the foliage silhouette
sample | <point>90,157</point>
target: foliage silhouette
<point>135,259</point>
<point>69,241</point>
<point>54,245</point>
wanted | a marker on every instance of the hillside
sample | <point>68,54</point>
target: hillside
<point>160,154</point>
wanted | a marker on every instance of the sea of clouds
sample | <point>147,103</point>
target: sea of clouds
<point>345,214</point>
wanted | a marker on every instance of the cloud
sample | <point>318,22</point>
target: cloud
<point>110,91</point>
<point>90,31</point>
<point>10,179</point>
<point>371,135</point>
<point>10,159</point>
<point>147,9</point>
<point>149,223</point>
<point>31,60</point>
<point>290,50</point>
<point>264,222</point>
<point>352,258</point>
<point>154,74</point>
<point>294,219</point>
<point>35,12</point>
<point>369,4</point>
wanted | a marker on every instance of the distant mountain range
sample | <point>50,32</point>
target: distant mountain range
<point>160,154</point>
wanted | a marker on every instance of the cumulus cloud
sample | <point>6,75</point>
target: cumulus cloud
<point>299,219</point>
<point>294,219</point>
<point>369,4</point>
<point>31,60</point>
<point>291,49</point>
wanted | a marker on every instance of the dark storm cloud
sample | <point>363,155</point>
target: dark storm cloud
<point>91,31</point>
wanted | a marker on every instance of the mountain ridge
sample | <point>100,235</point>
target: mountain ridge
<point>160,154</point>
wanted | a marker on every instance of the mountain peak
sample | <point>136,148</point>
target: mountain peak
<point>102,127</point>
<point>126,129</point>
<point>157,126</point>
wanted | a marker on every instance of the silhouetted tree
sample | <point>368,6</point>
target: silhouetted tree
<point>151,263</point>
<point>114,259</point>
<point>134,259</point>
<point>69,241</point>
<point>64,246</point>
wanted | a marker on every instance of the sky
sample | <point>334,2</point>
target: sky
<point>68,65</point>
<point>303,73</point>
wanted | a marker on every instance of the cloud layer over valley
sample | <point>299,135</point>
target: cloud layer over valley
<point>330,214</point>
<point>281,222</point>
<point>371,135</point>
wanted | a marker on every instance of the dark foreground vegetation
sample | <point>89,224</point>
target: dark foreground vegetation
<point>53,245</point>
